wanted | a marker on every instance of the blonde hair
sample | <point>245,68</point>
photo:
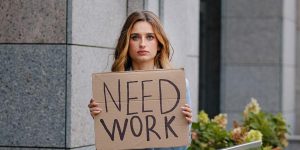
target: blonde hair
<point>123,61</point>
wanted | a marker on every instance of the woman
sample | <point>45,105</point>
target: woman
<point>143,45</point>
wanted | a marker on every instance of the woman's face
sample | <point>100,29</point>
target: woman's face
<point>143,45</point>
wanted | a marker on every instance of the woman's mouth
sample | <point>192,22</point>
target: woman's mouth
<point>142,52</point>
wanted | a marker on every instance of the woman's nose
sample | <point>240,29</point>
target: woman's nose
<point>142,42</point>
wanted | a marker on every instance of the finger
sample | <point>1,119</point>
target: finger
<point>187,105</point>
<point>92,100</point>
<point>95,109</point>
<point>186,109</point>
<point>94,104</point>
<point>96,112</point>
<point>189,120</point>
<point>187,114</point>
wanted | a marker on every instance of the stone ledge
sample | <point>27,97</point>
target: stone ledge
<point>294,142</point>
<point>294,138</point>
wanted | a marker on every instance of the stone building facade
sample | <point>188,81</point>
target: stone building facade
<point>49,49</point>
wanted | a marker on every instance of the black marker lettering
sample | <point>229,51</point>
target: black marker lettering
<point>116,123</point>
<point>148,129</point>
<point>129,98</point>
<point>141,126</point>
<point>160,95</point>
<point>168,126</point>
<point>143,97</point>
<point>119,92</point>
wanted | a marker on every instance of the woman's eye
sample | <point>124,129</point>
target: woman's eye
<point>150,37</point>
<point>135,38</point>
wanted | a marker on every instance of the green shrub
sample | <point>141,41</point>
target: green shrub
<point>210,134</point>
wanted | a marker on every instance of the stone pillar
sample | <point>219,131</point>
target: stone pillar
<point>135,5</point>
<point>258,49</point>
<point>138,5</point>
<point>289,63</point>
<point>92,38</point>
<point>181,20</point>
<point>33,57</point>
<point>298,71</point>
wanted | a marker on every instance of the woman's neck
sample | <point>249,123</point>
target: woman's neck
<point>143,66</point>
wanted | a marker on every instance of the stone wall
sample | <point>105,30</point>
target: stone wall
<point>258,56</point>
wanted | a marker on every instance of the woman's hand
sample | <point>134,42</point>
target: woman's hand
<point>187,111</point>
<point>94,108</point>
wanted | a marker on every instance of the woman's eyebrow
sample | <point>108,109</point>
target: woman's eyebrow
<point>150,33</point>
<point>141,33</point>
<point>132,34</point>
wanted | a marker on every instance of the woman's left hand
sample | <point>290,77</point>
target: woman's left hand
<point>187,112</point>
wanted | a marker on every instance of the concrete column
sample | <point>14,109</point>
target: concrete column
<point>289,62</point>
<point>182,28</point>
<point>92,38</point>
<point>298,70</point>
<point>154,6</point>
<point>135,5</point>
<point>33,57</point>
<point>258,49</point>
<point>138,5</point>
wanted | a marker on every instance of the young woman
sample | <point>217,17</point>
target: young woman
<point>143,45</point>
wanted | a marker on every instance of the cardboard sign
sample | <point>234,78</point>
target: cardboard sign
<point>141,109</point>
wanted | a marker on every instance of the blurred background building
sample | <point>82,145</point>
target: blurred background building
<point>231,50</point>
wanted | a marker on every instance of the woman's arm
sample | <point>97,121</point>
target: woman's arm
<point>186,109</point>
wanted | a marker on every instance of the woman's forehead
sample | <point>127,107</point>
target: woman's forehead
<point>142,27</point>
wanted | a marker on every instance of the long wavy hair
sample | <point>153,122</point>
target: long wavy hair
<point>122,60</point>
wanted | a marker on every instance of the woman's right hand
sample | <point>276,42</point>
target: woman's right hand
<point>94,108</point>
